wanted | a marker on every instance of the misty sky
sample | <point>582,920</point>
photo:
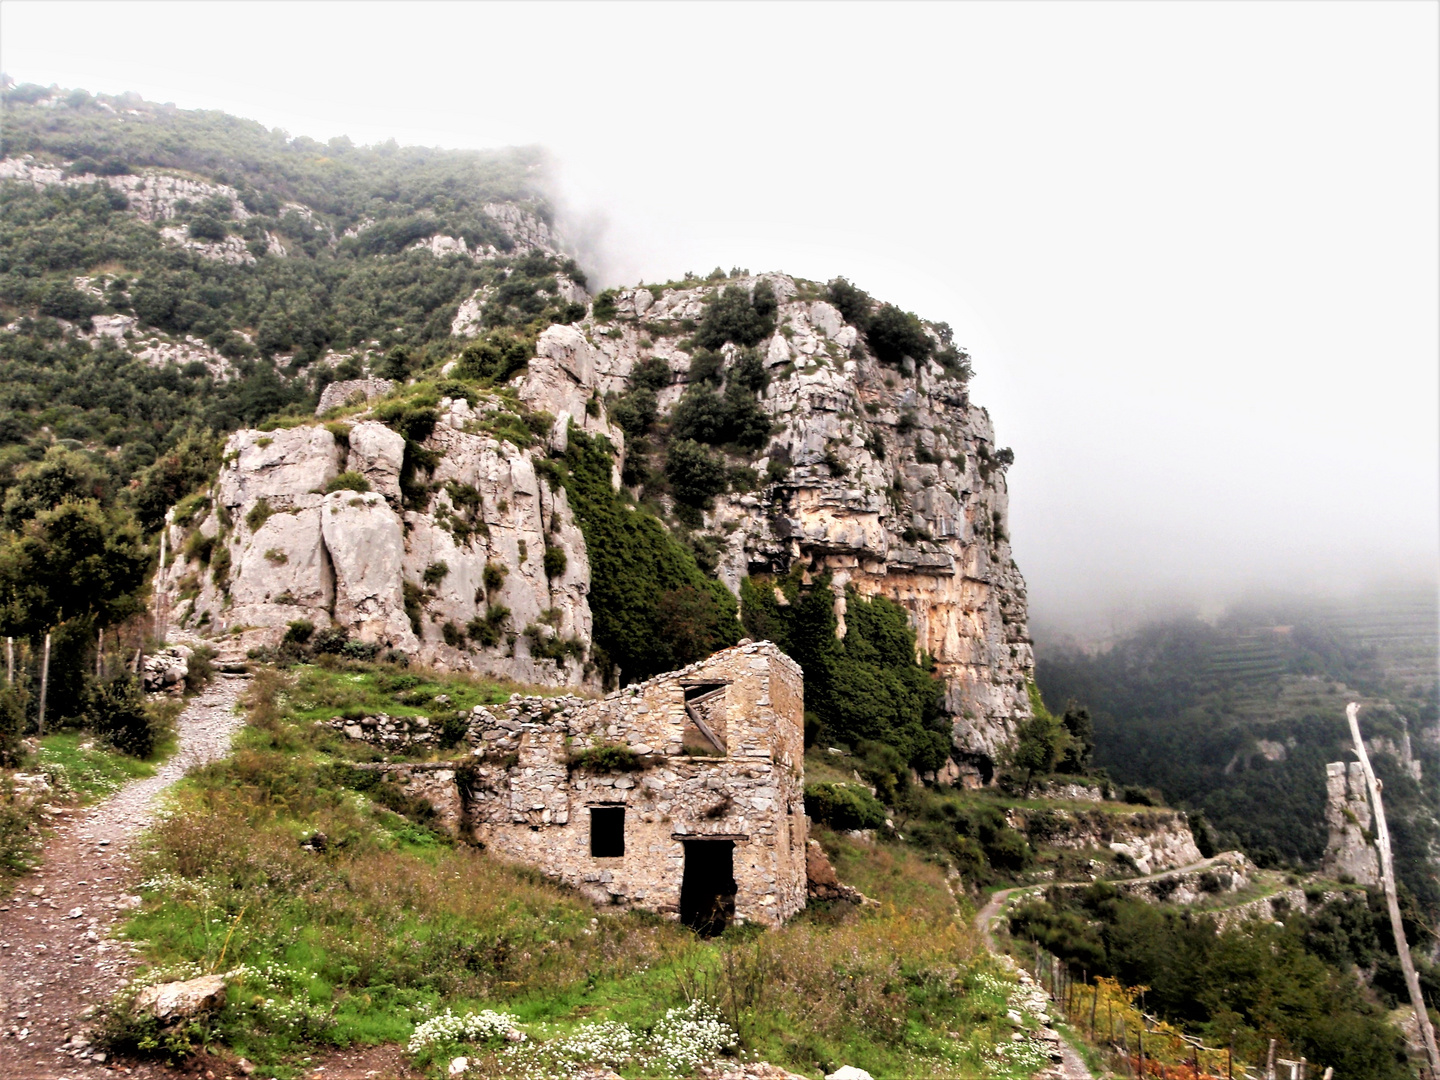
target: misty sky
<point>1192,248</point>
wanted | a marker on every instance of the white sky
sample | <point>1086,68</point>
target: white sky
<point>1192,247</point>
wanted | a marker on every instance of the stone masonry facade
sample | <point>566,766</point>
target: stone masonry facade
<point>715,776</point>
<point>695,778</point>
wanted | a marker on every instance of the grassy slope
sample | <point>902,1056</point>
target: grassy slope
<point>392,923</point>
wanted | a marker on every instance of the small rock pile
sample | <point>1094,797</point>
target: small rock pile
<point>165,670</point>
<point>820,880</point>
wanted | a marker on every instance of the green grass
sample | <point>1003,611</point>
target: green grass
<point>322,692</point>
<point>90,769</point>
<point>392,923</point>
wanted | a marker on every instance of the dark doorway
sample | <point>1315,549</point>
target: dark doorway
<point>607,831</point>
<point>707,892</point>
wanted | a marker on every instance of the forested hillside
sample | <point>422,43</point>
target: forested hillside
<point>210,337</point>
<point>1239,719</point>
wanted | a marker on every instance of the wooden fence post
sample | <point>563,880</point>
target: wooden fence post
<point>44,682</point>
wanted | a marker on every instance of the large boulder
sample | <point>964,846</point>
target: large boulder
<point>277,466</point>
<point>377,453</point>
<point>174,1001</point>
<point>366,544</point>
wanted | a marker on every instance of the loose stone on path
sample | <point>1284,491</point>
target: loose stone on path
<point>57,959</point>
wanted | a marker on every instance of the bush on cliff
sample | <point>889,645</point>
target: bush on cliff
<point>868,686</point>
<point>843,806</point>
<point>654,609</point>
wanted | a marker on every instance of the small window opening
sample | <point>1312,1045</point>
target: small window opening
<point>607,831</point>
<point>704,732</point>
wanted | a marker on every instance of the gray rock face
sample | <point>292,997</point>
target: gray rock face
<point>887,479</point>
<point>896,488</point>
<point>365,542</point>
<point>377,453</point>
<point>338,393</point>
<point>349,558</point>
<point>1347,815</point>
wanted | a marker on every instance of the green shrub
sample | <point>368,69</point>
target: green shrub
<point>199,671</point>
<point>454,726</point>
<point>893,334</point>
<point>555,561</point>
<point>696,476</point>
<point>494,577</point>
<point>435,572</point>
<point>453,635</point>
<point>843,806</point>
<point>495,357</point>
<point>604,307</point>
<point>198,548</point>
<point>489,629</point>
<point>735,315</point>
<point>12,725</point>
<point>258,514</point>
<point>119,714</point>
<point>299,632</point>
<point>652,373</point>
<point>635,413</point>
<point>348,481</point>
<point>220,565</point>
<point>853,304</point>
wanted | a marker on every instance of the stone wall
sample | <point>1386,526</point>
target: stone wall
<point>1347,815</point>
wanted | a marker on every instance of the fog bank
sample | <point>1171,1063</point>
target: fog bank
<point>1192,248</point>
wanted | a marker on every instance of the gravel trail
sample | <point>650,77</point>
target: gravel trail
<point>56,955</point>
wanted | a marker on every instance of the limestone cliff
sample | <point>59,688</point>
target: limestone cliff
<point>1347,815</point>
<point>885,478</point>
<point>896,487</point>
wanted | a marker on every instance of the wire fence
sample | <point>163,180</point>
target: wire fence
<point>1142,1045</point>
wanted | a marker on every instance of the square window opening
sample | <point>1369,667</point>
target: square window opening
<point>607,831</point>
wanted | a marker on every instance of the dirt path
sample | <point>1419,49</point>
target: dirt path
<point>57,959</point>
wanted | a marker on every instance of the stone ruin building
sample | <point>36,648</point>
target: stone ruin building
<point>682,795</point>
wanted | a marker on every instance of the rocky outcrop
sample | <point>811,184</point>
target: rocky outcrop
<point>1151,840</point>
<point>895,487</point>
<point>883,479</point>
<point>275,548</point>
<point>1348,851</point>
<point>347,390</point>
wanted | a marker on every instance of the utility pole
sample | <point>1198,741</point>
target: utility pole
<point>1387,878</point>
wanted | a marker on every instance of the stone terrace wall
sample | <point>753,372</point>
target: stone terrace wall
<point>525,800</point>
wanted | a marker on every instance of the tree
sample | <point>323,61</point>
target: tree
<point>894,334</point>
<point>854,304</point>
<point>1081,745</point>
<point>1039,744</point>
<point>75,563</point>
<point>695,475</point>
